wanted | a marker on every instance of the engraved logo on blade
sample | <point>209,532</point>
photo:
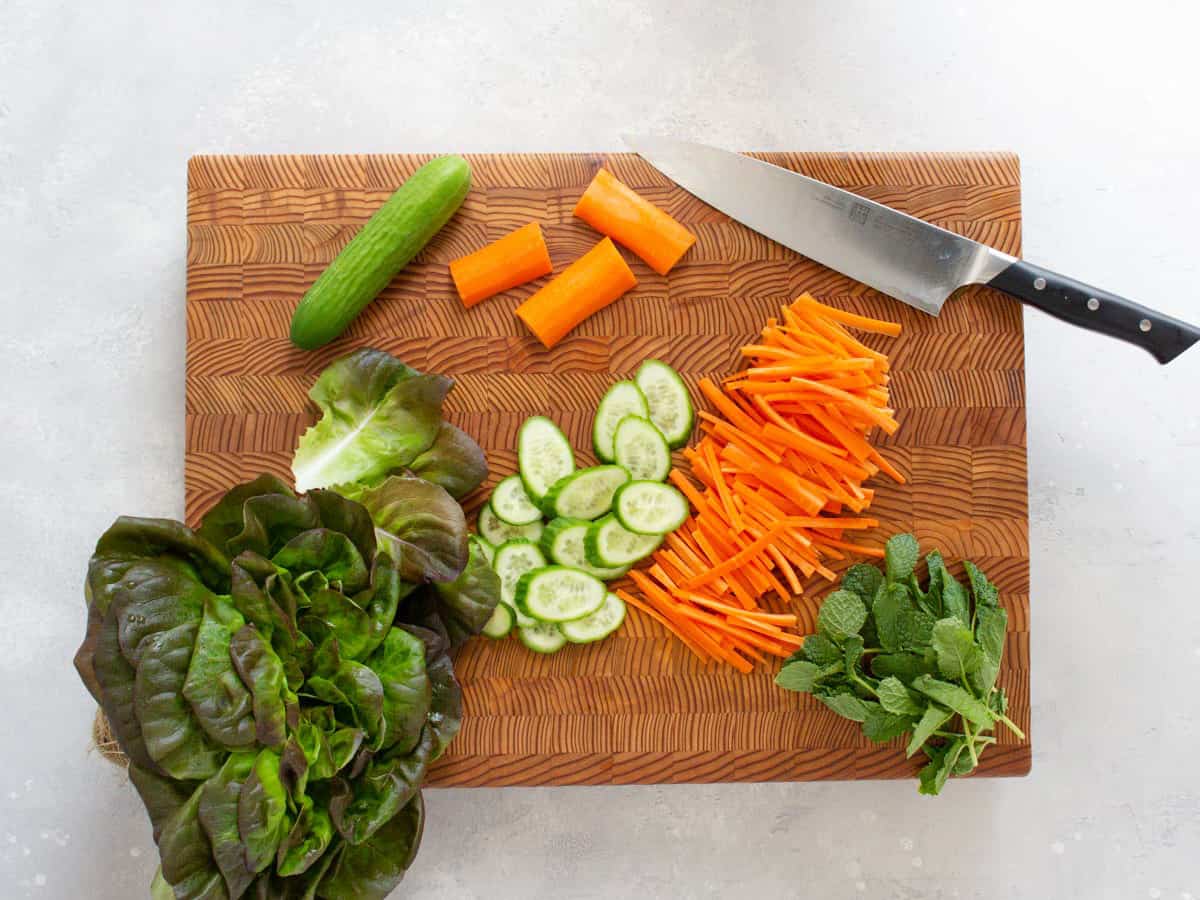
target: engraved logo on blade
<point>859,212</point>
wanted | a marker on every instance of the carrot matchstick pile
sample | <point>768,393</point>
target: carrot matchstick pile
<point>778,482</point>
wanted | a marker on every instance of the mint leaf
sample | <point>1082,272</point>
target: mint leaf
<point>998,702</point>
<point>853,650</point>
<point>954,599</point>
<point>956,698</point>
<point>991,624</point>
<point>863,579</point>
<point>900,557</point>
<point>821,650</point>
<point>896,698</point>
<point>957,655</point>
<point>881,726</point>
<point>889,602</point>
<point>846,705</point>
<point>914,629</point>
<point>986,593</point>
<point>933,719</point>
<point>941,763</point>
<point>804,676</point>
<point>842,614</point>
<point>905,666</point>
<point>937,569</point>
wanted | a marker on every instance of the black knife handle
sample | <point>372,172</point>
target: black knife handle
<point>1096,310</point>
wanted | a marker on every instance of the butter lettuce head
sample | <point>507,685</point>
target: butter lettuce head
<point>280,677</point>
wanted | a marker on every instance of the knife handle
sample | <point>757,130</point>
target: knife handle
<point>1096,310</point>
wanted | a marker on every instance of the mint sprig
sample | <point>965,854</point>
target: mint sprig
<point>903,660</point>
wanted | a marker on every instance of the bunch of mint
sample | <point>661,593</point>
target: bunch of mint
<point>904,660</point>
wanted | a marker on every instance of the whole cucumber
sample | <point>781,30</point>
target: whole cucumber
<point>384,246</point>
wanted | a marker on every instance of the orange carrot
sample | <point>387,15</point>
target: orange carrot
<point>584,287</point>
<point>614,209</point>
<point>514,259</point>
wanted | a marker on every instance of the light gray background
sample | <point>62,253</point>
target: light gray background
<point>100,106</point>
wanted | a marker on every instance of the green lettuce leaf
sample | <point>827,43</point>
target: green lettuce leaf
<point>377,415</point>
<point>173,736</point>
<point>262,673</point>
<point>466,603</point>
<point>373,869</point>
<point>219,700</point>
<point>261,811</point>
<point>420,526</point>
<point>218,813</point>
<point>400,664</point>
<point>454,461</point>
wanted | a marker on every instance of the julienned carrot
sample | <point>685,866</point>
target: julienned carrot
<point>778,484</point>
<point>584,287</point>
<point>514,259</point>
<point>614,209</point>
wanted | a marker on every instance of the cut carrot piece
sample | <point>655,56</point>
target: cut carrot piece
<point>584,287</point>
<point>614,209</point>
<point>514,259</point>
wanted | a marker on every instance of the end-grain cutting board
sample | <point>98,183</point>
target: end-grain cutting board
<point>637,707</point>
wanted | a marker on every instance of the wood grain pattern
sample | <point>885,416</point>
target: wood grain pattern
<point>636,708</point>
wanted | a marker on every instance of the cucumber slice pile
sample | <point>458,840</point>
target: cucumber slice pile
<point>667,396</point>
<point>512,505</point>
<point>649,507</point>
<point>497,533</point>
<point>623,399</point>
<point>559,594</point>
<point>609,543</point>
<point>598,625</point>
<point>603,519</point>
<point>640,448</point>
<point>586,494</point>
<point>544,455</point>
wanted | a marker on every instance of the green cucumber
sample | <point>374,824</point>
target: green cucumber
<point>501,622</point>
<point>559,594</point>
<point>586,494</point>
<point>608,543</point>
<point>649,507</point>
<point>385,245</point>
<point>670,404</point>
<point>511,504</point>
<point>623,399</point>
<point>541,637</point>
<point>562,541</point>
<point>544,455</point>
<point>496,532</point>
<point>486,549</point>
<point>514,559</point>
<point>640,447</point>
<point>598,625</point>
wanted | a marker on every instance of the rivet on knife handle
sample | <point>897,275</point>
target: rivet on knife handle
<point>1097,310</point>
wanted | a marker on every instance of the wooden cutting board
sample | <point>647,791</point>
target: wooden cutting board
<point>636,708</point>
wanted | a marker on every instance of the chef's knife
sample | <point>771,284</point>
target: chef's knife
<point>893,252</point>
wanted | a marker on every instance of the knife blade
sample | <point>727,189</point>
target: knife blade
<point>900,255</point>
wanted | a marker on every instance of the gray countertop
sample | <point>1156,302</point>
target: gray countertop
<point>102,103</point>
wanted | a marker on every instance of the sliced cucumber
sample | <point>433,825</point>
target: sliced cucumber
<point>541,637</point>
<point>512,505</point>
<point>559,594</point>
<point>486,549</point>
<point>670,404</point>
<point>608,543</point>
<point>544,455</point>
<point>501,622</point>
<point>586,494</point>
<point>649,507</point>
<point>641,448</point>
<point>623,399</point>
<point>562,541</point>
<point>598,625</point>
<point>513,559</point>
<point>497,533</point>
